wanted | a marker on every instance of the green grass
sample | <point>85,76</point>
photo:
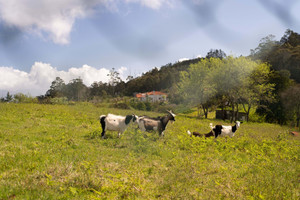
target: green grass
<point>56,152</point>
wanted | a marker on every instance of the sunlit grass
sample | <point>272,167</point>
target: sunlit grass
<point>56,152</point>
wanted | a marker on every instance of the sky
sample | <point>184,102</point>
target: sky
<point>45,39</point>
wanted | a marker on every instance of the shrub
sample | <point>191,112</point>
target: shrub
<point>59,100</point>
<point>121,106</point>
<point>140,106</point>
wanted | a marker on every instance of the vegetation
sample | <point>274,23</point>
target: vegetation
<point>56,152</point>
<point>229,81</point>
<point>262,81</point>
<point>284,58</point>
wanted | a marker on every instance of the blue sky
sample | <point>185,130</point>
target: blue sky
<point>40,40</point>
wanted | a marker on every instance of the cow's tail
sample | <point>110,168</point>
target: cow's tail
<point>102,122</point>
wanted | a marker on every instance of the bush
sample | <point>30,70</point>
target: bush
<point>59,100</point>
<point>121,106</point>
<point>22,98</point>
<point>140,106</point>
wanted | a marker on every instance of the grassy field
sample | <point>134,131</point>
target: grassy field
<point>56,152</point>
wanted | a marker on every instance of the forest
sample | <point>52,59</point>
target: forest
<point>267,81</point>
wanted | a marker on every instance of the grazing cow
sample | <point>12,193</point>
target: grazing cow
<point>113,122</point>
<point>221,130</point>
<point>197,134</point>
<point>157,124</point>
<point>218,130</point>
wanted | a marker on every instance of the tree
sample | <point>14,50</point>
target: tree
<point>264,49</point>
<point>290,38</point>
<point>291,102</point>
<point>114,80</point>
<point>195,85</point>
<point>57,88</point>
<point>8,97</point>
<point>114,77</point>
<point>258,88</point>
<point>216,54</point>
<point>231,80</point>
<point>76,90</point>
<point>282,55</point>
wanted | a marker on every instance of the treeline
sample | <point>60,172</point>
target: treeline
<point>163,79</point>
<point>266,81</point>
<point>284,59</point>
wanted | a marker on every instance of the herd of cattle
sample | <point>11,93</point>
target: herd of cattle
<point>119,123</point>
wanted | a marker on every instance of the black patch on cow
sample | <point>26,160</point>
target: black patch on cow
<point>102,122</point>
<point>217,130</point>
<point>234,128</point>
<point>128,118</point>
<point>211,133</point>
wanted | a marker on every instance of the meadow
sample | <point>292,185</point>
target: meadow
<point>56,152</point>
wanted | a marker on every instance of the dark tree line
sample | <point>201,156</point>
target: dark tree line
<point>284,58</point>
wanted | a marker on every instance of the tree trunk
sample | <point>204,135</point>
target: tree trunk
<point>223,113</point>
<point>237,112</point>
<point>205,110</point>
<point>232,112</point>
<point>298,118</point>
<point>247,111</point>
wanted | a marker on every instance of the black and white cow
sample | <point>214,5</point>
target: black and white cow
<point>113,122</point>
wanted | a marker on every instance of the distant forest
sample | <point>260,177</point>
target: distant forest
<point>282,58</point>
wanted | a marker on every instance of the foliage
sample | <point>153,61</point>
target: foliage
<point>282,55</point>
<point>22,98</point>
<point>56,152</point>
<point>217,53</point>
<point>8,98</point>
<point>291,102</point>
<point>231,80</point>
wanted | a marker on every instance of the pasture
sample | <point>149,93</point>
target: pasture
<point>56,152</point>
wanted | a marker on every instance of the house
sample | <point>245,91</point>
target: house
<point>153,96</point>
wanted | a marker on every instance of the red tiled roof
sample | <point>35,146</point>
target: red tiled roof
<point>156,93</point>
<point>140,95</point>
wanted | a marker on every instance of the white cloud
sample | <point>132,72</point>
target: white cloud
<point>183,59</point>
<point>39,79</point>
<point>55,18</point>
<point>154,4</point>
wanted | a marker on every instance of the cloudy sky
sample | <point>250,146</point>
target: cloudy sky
<point>40,40</point>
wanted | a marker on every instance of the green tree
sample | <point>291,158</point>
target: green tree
<point>232,80</point>
<point>195,84</point>
<point>216,53</point>
<point>264,49</point>
<point>114,80</point>
<point>274,111</point>
<point>258,88</point>
<point>76,90</point>
<point>57,88</point>
<point>291,102</point>
<point>8,97</point>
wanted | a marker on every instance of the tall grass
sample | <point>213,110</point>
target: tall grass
<point>56,152</point>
